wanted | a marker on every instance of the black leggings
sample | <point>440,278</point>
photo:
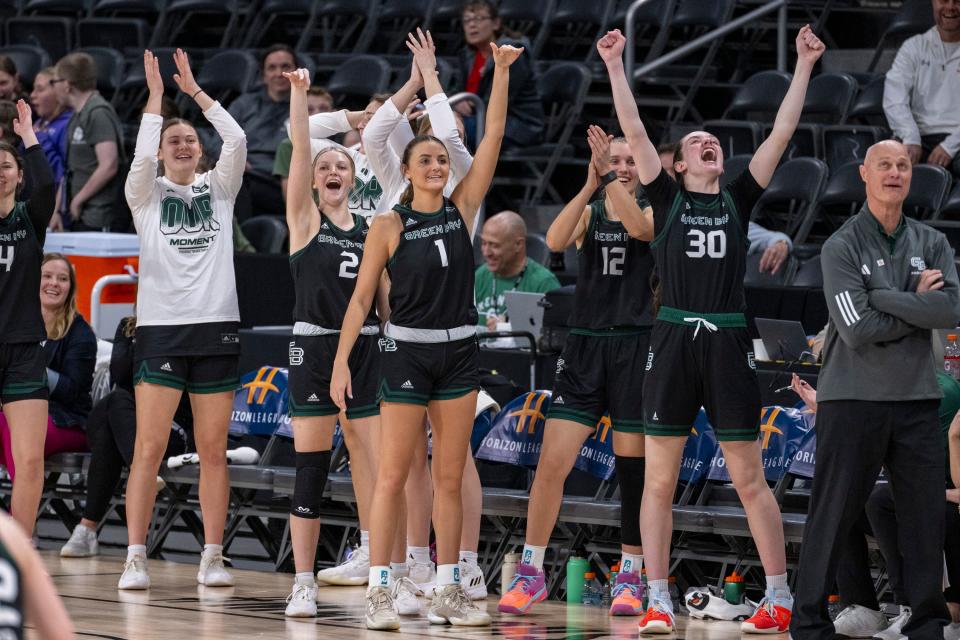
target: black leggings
<point>111,433</point>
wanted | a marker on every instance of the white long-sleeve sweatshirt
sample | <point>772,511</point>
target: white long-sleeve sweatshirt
<point>186,231</point>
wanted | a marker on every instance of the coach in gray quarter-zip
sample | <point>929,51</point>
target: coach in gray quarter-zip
<point>888,281</point>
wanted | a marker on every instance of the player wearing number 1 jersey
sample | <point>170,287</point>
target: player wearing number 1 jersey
<point>700,350</point>
<point>430,350</point>
<point>601,368</point>
<point>326,246</point>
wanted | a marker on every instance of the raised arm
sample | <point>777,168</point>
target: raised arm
<point>143,169</point>
<point>571,223</point>
<point>228,173</point>
<point>469,194</point>
<point>936,302</point>
<point>40,207</point>
<point>301,211</point>
<point>638,222</point>
<point>376,252</point>
<point>767,157</point>
<point>857,322</point>
<point>610,47</point>
<point>324,125</point>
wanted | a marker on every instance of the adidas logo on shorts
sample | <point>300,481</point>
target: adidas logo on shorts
<point>166,367</point>
<point>313,398</point>
<point>407,385</point>
<point>558,400</point>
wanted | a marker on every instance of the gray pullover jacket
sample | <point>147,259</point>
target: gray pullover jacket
<point>878,338</point>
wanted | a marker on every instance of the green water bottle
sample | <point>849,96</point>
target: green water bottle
<point>733,588</point>
<point>576,568</point>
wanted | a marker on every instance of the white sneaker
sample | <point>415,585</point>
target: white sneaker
<point>406,596</point>
<point>472,581</point>
<point>381,612</point>
<point>302,601</point>
<point>860,622</point>
<point>212,573</point>
<point>424,574</point>
<point>952,631</point>
<point>82,544</point>
<point>351,573</point>
<point>895,630</point>
<point>452,605</point>
<point>135,574</point>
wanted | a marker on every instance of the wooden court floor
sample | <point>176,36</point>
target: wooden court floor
<point>179,609</point>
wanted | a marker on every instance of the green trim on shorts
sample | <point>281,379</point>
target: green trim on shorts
<point>722,320</point>
<point>667,430</point>
<point>220,386</point>
<point>365,411</point>
<point>624,425</point>
<point>609,332</point>
<point>451,394</point>
<point>23,388</point>
<point>580,417</point>
<point>737,435</point>
<point>143,374</point>
<point>384,394</point>
<point>312,410</point>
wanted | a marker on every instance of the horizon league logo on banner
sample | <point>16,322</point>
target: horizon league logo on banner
<point>699,451</point>
<point>260,405</point>
<point>596,455</point>
<point>805,459</point>
<point>781,432</point>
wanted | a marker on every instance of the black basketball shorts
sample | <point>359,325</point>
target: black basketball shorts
<point>311,364</point>
<point>23,372</point>
<point>418,372</point>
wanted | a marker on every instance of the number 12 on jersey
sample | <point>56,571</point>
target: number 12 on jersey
<point>613,259</point>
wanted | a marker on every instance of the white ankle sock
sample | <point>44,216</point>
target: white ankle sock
<point>631,563</point>
<point>468,557</point>
<point>364,539</point>
<point>399,569</point>
<point>448,574</point>
<point>420,555</point>
<point>779,591</point>
<point>380,576</point>
<point>136,550</point>
<point>209,549</point>
<point>533,555</point>
<point>306,579</point>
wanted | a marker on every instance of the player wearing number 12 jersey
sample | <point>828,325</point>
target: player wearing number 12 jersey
<point>700,350</point>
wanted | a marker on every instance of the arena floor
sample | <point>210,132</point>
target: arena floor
<point>176,607</point>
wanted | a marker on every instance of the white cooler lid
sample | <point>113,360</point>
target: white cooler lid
<point>93,243</point>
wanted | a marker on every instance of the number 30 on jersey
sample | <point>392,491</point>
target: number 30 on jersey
<point>712,244</point>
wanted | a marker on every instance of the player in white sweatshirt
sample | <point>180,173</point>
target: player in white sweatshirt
<point>187,314</point>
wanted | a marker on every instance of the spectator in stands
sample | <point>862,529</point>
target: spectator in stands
<point>922,89</point>
<point>879,395</point>
<point>70,351</point>
<point>51,125</point>
<point>861,616</point>
<point>319,100</point>
<point>93,198</point>
<point>481,26</point>
<point>10,88</point>
<point>776,246</point>
<point>111,430</point>
<point>506,268</point>
<point>8,111</point>
<point>262,115</point>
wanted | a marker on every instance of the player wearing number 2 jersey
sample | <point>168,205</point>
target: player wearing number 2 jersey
<point>601,368</point>
<point>700,350</point>
<point>430,349</point>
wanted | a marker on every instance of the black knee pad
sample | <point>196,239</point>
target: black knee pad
<point>630,479</point>
<point>312,469</point>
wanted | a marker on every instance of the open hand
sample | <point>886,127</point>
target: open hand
<point>341,386</point>
<point>915,152</point>
<point>423,50</point>
<point>807,393</point>
<point>151,69</point>
<point>299,79</point>
<point>505,55</point>
<point>184,76</point>
<point>773,257</point>
<point>610,47</point>
<point>23,123</point>
<point>411,113</point>
<point>809,46</point>
<point>599,143</point>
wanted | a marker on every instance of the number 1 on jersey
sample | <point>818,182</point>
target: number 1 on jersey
<point>443,252</point>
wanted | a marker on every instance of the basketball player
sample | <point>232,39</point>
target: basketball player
<point>700,348</point>
<point>430,349</point>
<point>187,313</point>
<point>601,367</point>
<point>23,377</point>
<point>326,245</point>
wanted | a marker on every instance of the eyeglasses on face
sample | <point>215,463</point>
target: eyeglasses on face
<point>471,19</point>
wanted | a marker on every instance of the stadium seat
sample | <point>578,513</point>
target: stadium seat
<point>733,166</point>
<point>928,191</point>
<point>445,25</point>
<point>72,8</point>
<point>809,273</point>
<point>393,21</point>
<point>357,79</point>
<point>266,233</point>
<point>122,34</point>
<point>28,58</point>
<point>789,202</point>
<point>563,89</point>
<point>129,98</point>
<point>846,143</point>
<point>52,34</point>
<point>110,68</point>
<point>829,97</point>
<point>868,105</point>
<point>229,73</point>
<point>951,208</point>
<point>10,8</point>
<point>573,28</point>
<point>736,137</point>
<point>526,18</point>
<point>650,25</point>
<point>756,101</point>
<point>914,16</point>
<point>336,26</point>
<point>843,196</point>
<point>537,249</point>
<point>218,26</point>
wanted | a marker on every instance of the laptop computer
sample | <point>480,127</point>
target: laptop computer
<point>525,312</point>
<point>784,340</point>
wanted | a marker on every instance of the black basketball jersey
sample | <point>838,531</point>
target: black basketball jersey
<point>700,244</point>
<point>21,254</point>
<point>613,280</point>
<point>325,274</point>
<point>431,272</point>
<point>11,593</point>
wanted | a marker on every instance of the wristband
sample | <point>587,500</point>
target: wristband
<point>198,92</point>
<point>607,178</point>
